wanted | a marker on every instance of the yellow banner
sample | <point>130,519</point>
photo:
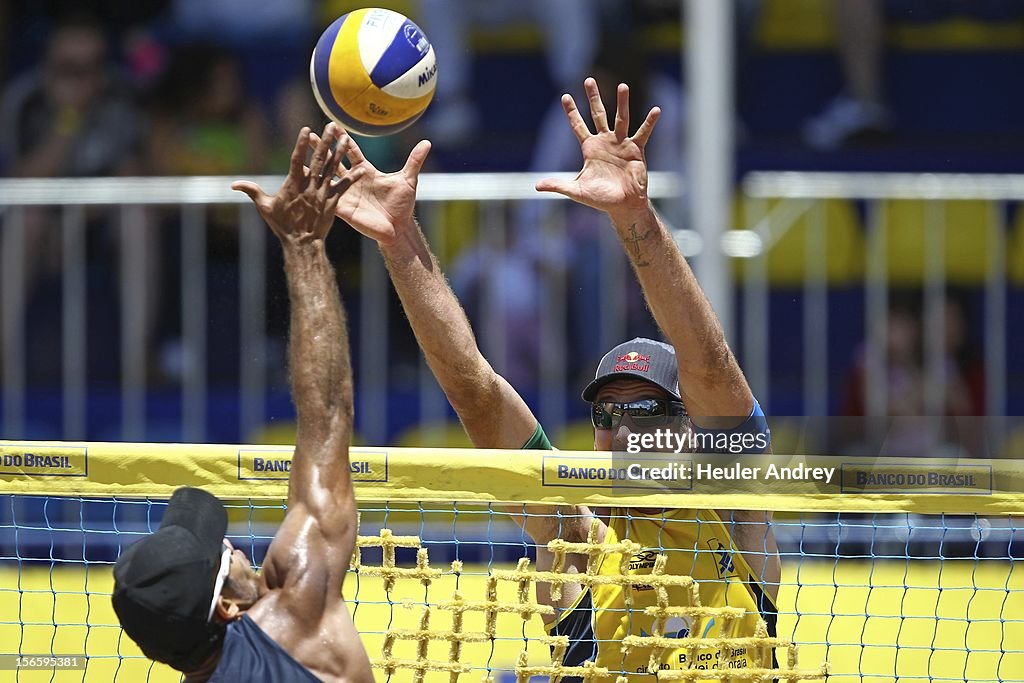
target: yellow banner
<point>781,483</point>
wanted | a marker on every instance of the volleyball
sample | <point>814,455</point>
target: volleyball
<point>373,71</point>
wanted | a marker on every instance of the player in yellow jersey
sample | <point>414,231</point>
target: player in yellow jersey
<point>639,386</point>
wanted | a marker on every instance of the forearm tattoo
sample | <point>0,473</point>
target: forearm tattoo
<point>633,244</point>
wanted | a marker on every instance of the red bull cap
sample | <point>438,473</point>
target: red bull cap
<point>638,358</point>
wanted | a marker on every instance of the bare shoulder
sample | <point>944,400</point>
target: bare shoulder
<point>302,586</point>
<point>303,610</point>
<point>330,647</point>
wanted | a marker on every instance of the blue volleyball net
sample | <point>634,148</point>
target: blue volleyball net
<point>446,590</point>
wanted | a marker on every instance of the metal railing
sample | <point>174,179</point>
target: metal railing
<point>130,196</point>
<point>802,193</point>
<point>800,196</point>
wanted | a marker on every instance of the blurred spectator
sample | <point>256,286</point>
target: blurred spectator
<point>71,117</point>
<point>624,55</point>
<point>904,368</point>
<point>26,25</point>
<point>965,373</point>
<point>204,123</point>
<point>571,28</point>
<point>905,393</point>
<point>859,110</point>
<point>911,430</point>
<point>907,431</point>
<point>272,38</point>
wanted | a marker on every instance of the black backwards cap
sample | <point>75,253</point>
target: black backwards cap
<point>638,358</point>
<point>164,584</point>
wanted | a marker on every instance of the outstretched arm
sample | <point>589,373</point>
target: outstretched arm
<point>380,205</point>
<point>710,380</point>
<point>492,412</point>
<point>312,550</point>
<point>614,180</point>
<point>495,416</point>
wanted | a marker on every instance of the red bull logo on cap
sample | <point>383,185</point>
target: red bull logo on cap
<point>632,361</point>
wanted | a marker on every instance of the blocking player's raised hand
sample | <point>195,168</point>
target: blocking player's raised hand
<point>614,174</point>
<point>379,205</point>
<point>304,207</point>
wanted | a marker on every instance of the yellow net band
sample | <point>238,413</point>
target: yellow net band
<point>134,470</point>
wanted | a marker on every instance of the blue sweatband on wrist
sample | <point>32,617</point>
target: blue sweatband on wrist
<point>750,437</point>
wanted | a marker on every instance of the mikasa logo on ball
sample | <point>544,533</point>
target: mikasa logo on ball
<point>427,75</point>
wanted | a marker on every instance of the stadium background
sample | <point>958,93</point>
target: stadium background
<point>152,338</point>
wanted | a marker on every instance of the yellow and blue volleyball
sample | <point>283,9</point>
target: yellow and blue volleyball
<point>373,71</point>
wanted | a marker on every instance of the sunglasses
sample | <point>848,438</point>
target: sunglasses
<point>649,412</point>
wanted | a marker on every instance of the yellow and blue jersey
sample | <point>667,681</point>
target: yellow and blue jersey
<point>696,543</point>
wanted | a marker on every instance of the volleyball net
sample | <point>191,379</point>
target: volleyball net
<point>884,576</point>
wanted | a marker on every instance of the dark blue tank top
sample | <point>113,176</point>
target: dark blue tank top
<point>250,655</point>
